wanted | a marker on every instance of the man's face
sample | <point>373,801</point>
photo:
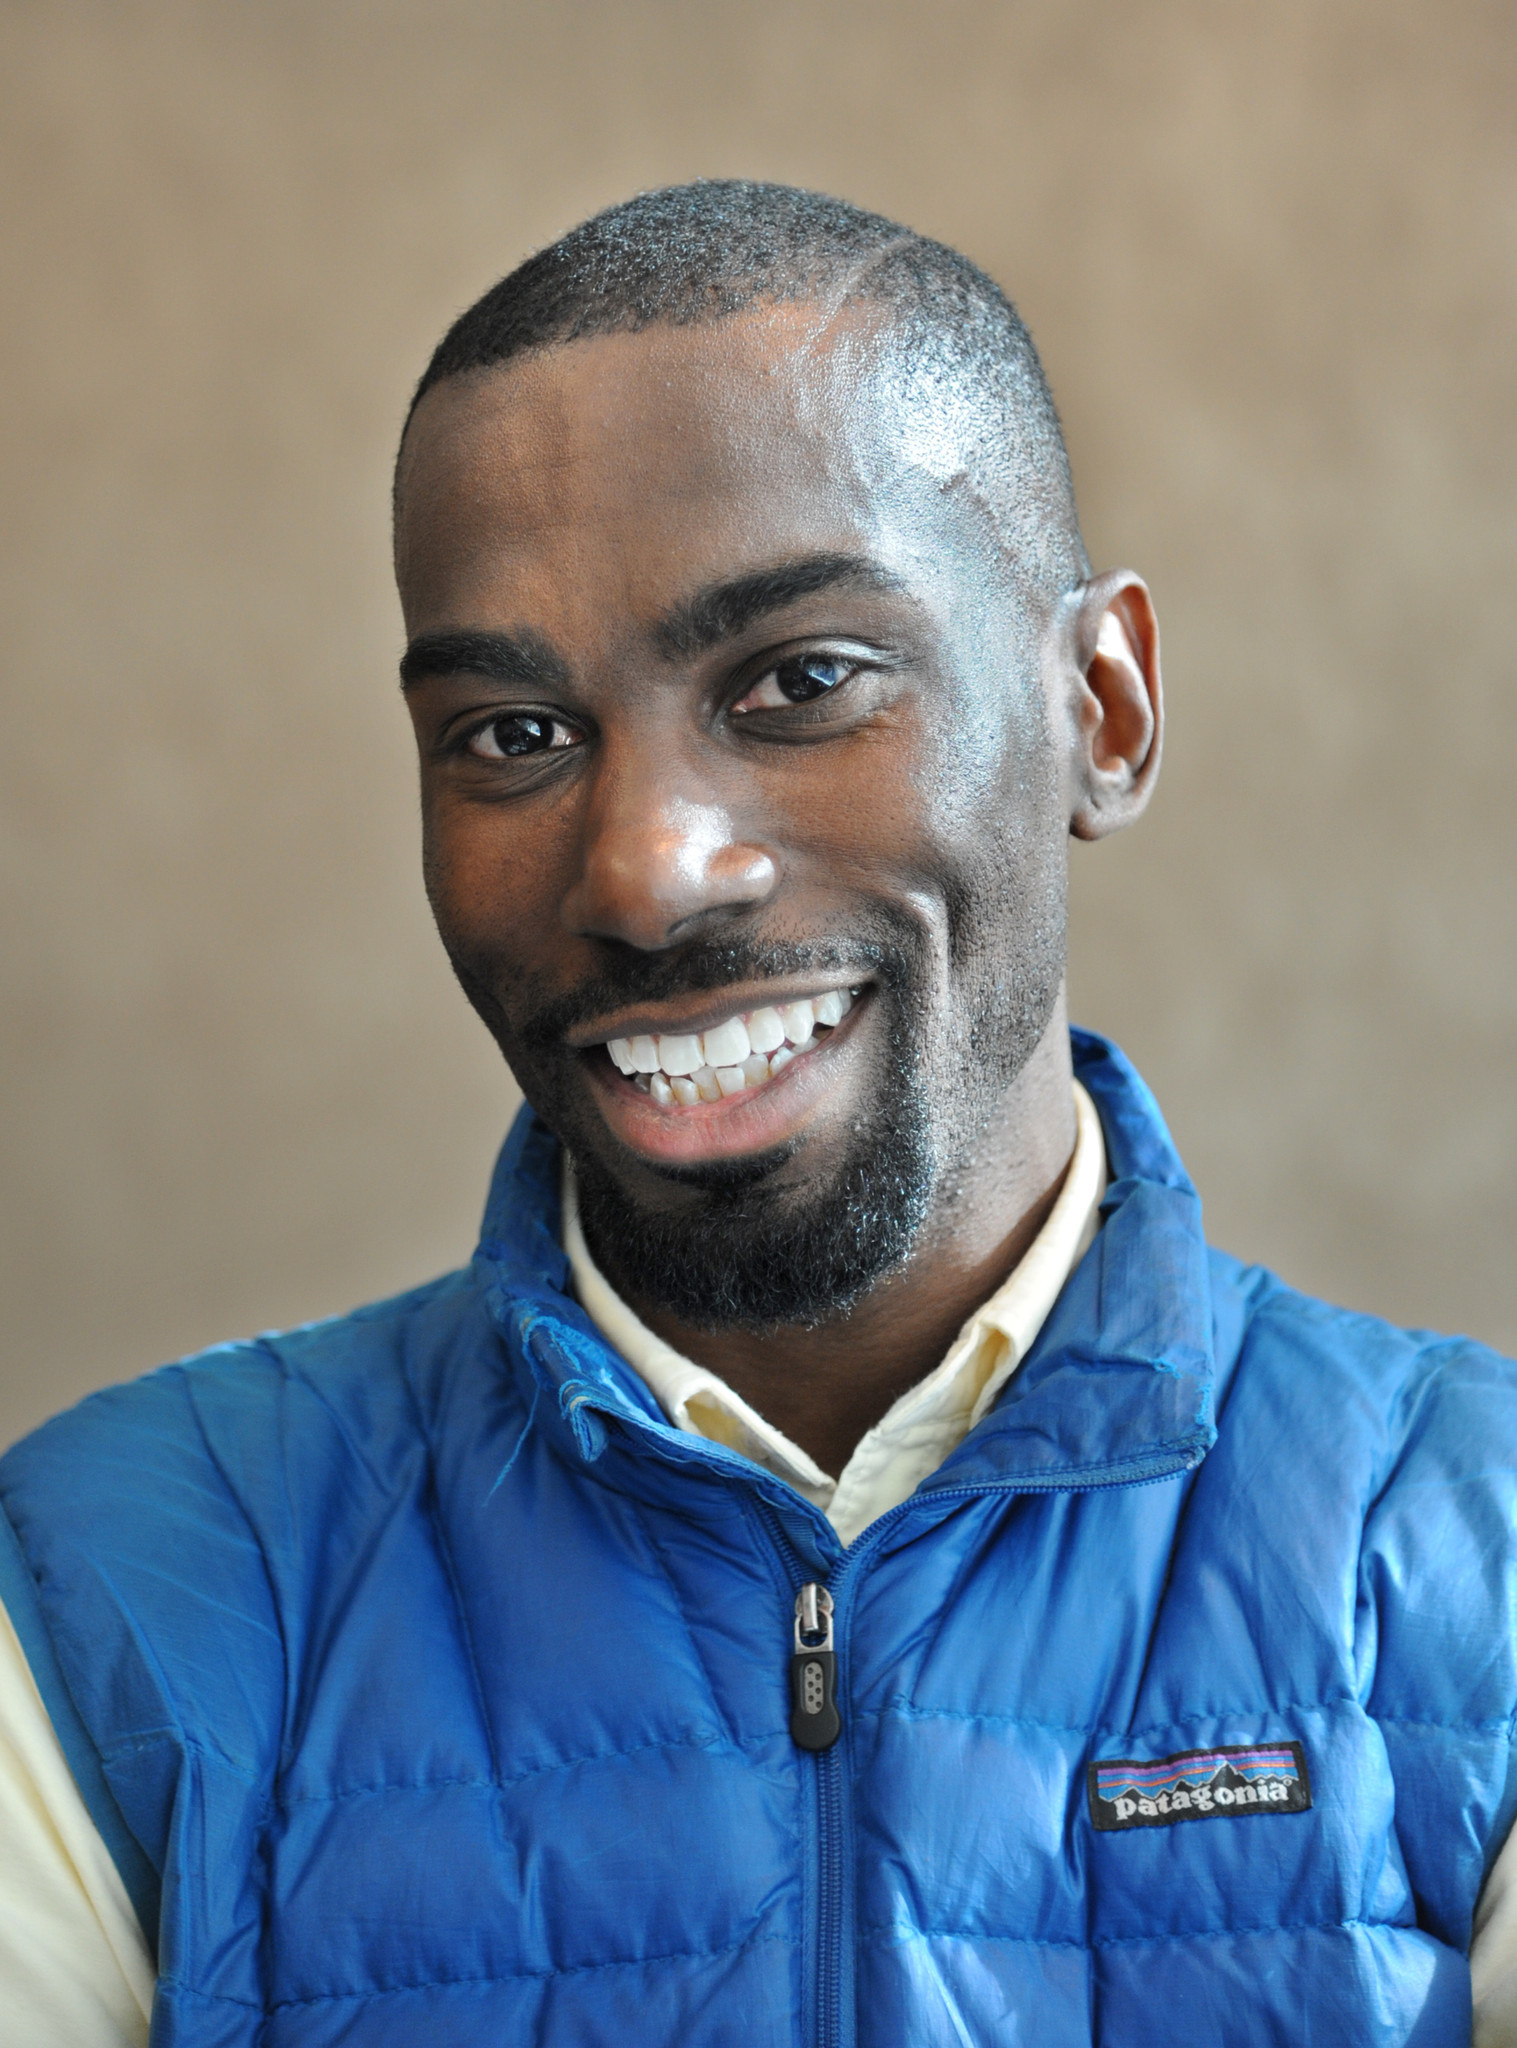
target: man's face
<point>727,705</point>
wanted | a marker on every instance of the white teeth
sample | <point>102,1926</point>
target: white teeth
<point>689,1067</point>
<point>680,1054</point>
<point>765,1030</point>
<point>831,1008</point>
<point>727,1045</point>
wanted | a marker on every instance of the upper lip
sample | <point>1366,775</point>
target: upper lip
<point>703,1013</point>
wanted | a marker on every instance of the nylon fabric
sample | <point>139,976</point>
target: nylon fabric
<point>443,1684</point>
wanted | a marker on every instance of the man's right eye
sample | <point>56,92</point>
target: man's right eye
<point>516,733</point>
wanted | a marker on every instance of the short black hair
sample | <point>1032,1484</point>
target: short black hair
<point>690,254</point>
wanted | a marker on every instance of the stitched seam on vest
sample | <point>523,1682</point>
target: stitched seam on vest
<point>908,1710</point>
<point>1069,1478</point>
<point>1502,1722</point>
<point>465,1634</point>
<point>890,1937</point>
<point>193,1743</point>
<point>973,1555</point>
<point>679,1955</point>
<point>1100,1730</point>
<point>256,1538</point>
<point>499,1784</point>
<point>259,1860</point>
<point>1410,1397</point>
<point>432,1508</point>
<point>136,1745</point>
<point>295,1369</point>
<point>722,1720</point>
<point>747,1498</point>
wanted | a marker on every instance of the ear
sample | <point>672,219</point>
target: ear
<point>1115,702</point>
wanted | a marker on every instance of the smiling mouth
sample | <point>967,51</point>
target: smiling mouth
<point>684,1069</point>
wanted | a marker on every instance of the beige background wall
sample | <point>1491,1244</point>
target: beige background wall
<point>1269,255</point>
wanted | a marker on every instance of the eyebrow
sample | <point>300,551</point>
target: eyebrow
<point>723,610</point>
<point>511,658</point>
<point>716,613</point>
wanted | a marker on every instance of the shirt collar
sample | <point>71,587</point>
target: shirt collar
<point>1117,1390</point>
<point>930,1419</point>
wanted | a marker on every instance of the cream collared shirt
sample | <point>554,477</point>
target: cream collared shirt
<point>75,1971</point>
<point>930,1419</point>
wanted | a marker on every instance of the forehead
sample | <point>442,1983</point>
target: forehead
<point>609,476</point>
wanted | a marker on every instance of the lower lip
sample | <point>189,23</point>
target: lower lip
<point>755,1121</point>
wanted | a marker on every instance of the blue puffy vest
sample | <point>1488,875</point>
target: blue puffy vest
<point>431,1690</point>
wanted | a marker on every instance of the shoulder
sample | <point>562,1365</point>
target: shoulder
<point>1393,1451</point>
<point>1410,1379</point>
<point>159,1541</point>
<point>161,1544</point>
<point>1418,1428</point>
<point>339,1375</point>
<point>201,1451</point>
<point>170,1495</point>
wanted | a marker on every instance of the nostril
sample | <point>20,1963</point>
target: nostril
<point>747,873</point>
<point>710,861</point>
<point>648,880</point>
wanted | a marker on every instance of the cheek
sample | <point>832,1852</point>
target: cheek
<point>1001,850</point>
<point>489,882</point>
<point>444,863</point>
<point>972,801</point>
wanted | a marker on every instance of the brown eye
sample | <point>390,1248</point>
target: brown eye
<point>516,733</point>
<point>800,679</point>
<point>807,677</point>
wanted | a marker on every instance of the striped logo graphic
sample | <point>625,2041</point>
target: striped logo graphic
<point>1199,1784</point>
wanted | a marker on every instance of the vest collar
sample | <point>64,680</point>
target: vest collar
<point>1119,1385</point>
<point>1116,1390</point>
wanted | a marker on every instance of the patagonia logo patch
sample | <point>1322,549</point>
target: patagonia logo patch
<point>1199,1784</point>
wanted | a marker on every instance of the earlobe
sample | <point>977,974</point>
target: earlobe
<point>1117,703</point>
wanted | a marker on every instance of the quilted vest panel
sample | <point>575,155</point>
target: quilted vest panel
<point>433,1689</point>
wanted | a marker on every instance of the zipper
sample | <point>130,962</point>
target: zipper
<point>816,1721</point>
<point>815,1725</point>
<point>828,1996</point>
<point>816,1715</point>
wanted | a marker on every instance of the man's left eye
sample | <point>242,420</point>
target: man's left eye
<point>515,733</point>
<point>799,680</point>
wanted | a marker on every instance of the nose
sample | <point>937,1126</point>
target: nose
<point>661,863</point>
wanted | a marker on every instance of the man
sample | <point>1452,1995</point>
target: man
<point>846,1562</point>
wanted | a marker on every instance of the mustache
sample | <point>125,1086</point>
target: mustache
<point>702,968</point>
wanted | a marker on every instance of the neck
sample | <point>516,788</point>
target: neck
<point>826,1387</point>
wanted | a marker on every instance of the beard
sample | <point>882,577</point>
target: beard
<point>760,1245</point>
<point>754,1253</point>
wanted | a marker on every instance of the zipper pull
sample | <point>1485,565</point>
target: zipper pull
<point>814,1719</point>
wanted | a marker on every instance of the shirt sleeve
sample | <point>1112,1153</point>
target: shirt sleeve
<point>75,1971</point>
<point>1493,1953</point>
